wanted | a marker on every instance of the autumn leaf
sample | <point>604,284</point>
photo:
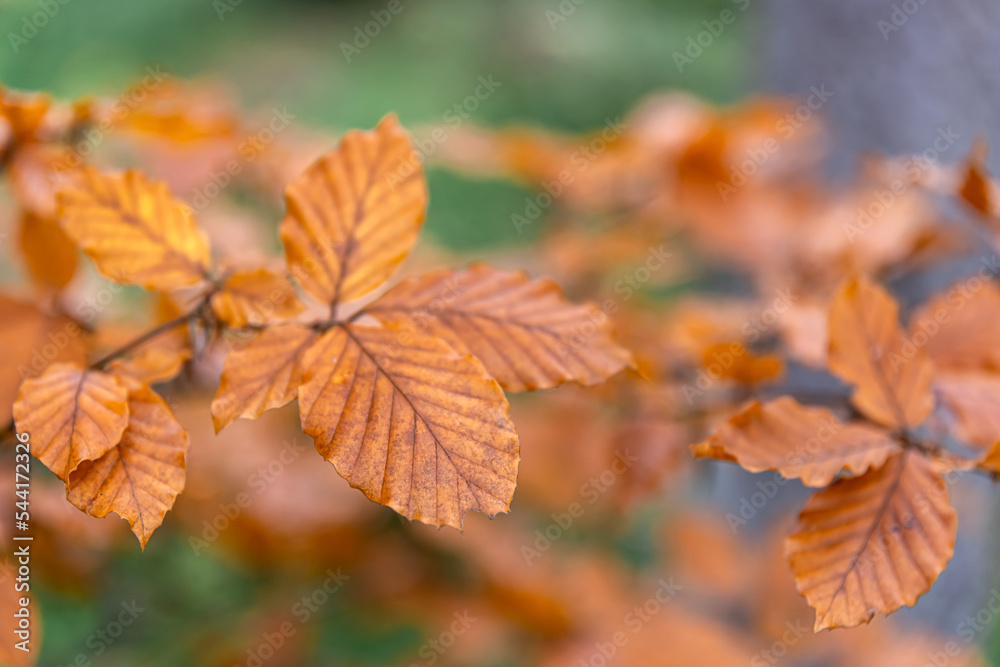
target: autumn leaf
<point>410,422</point>
<point>49,255</point>
<point>264,374</point>
<point>735,362</point>
<point>32,340</point>
<point>72,415</point>
<point>354,214</point>
<point>523,331</point>
<point>976,188</point>
<point>154,363</point>
<point>141,476</point>
<point>25,113</point>
<point>892,377</point>
<point>255,297</point>
<point>873,543</point>
<point>800,442</point>
<point>134,230</point>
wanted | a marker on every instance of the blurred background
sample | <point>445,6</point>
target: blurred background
<point>356,584</point>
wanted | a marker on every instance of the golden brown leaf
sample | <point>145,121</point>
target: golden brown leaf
<point>49,254</point>
<point>255,297</point>
<point>873,543</point>
<point>264,374</point>
<point>153,363</point>
<point>134,230</point>
<point>735,362</point>
<point>72,415</point>
<point>523,331</point>
<point>140,478</point>
<point>24,112</point>
<point>31,340</point>
<point>892,377</point>
<point>414,425</point>
<point>355,213</point>
<point>799,442</point>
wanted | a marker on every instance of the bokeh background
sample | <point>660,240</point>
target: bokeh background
<point>207,606</point>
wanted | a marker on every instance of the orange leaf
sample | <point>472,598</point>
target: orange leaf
<point>411,423</point>
<point>892,377</point>
<point>735,362</point>
<point>355,213</point>
<point>523,331</point>
<point>134,230</point>
<point>49,254</point>
<point>255,297</point>
<point>153,363</point>
<point>873,543</point>
<point>797,441</point>
<point>140,478</point>
<point>264,374</point>
<point>72,415</point>
<point>31,340</point>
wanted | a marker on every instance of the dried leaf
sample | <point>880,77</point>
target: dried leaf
<point>264,374</point>
<point>800,442</point>
<point>354,214</point>
<point>735,362</point>
<point>140,478</point>
<point>892,377</point>
<point>523,331</point>
<point>153,363</point>
<point>873,543</point>
<point>134,230</point>
<point>49,254</point>
<point>411,423</point>
<point>31,340</point>
<point>255,297</point>
<point>72,414</point>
